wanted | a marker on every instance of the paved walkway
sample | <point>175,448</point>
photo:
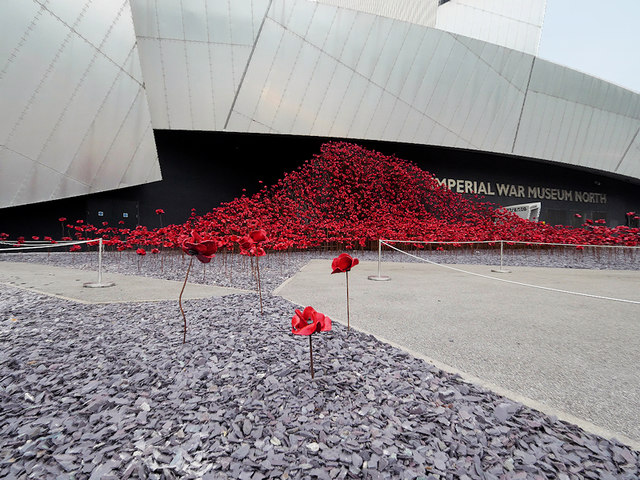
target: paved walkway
<point>574,357</point>
<point>68,283</point>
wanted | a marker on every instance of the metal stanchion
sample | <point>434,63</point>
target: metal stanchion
<point>501,270</point>
<point>379,277</point>
<point>99,283</point>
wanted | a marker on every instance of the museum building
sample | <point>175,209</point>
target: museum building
<point>111,109</point>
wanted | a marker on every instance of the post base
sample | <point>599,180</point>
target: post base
<point>379,278</point>
<point>98,285</point>
<point>500,270</point>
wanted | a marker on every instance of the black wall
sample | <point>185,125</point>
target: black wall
<point>202,169</point>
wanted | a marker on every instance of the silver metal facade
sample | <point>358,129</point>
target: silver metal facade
<point>75,92</point>
<point>328,68</point>
<point>75,117</point>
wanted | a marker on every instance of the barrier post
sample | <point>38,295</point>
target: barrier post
<point>501,270</point>
<point>379,277</point>
<point>99,283</point>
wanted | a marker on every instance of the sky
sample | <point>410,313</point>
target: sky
<point>598,37</point>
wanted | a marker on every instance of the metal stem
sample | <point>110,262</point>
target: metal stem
<point>184,336</point>
<point>311,355</point>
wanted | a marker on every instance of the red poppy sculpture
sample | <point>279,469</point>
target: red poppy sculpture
<point>251,245</point>
<point>344,263</point>
<point>203,250</point>
<point>307,323</point>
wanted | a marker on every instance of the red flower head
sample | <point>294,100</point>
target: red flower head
<point>245,243</point>
<point>343,263</point>
<point>35,237</point>
<point>258,236</point>
<point>155,250</point>
<point>141,251</point>
<point>309,321</point>
<point>75,248</point>
<point>204,250</point>
<point>62,219</point>
<point>159,211</point>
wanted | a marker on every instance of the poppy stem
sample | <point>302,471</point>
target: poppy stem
<point>184,335</point>
<point>348,325</point>
<point>311,355</point>
<point>259,286</point>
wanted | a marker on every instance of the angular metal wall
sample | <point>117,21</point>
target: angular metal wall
<point>515,24</point>
<point>75,118</point>
<point>327,68</point>
<point>79,104</point>
<point>420,12</point>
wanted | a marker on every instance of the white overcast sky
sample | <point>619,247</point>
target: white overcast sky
<point>598,37</point>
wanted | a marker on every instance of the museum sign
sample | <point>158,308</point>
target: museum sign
<point>521,191</point>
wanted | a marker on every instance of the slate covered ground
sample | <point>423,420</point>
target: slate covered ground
<point>110,391</point>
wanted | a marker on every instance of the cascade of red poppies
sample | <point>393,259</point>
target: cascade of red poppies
<point>350,196</point>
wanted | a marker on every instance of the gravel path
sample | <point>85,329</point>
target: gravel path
<point>109,391</point>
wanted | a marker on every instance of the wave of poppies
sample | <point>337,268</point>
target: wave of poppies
<point>349,196</point>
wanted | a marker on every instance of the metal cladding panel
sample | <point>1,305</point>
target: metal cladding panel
<point>34,54</point>
<point>380,117</point>
<point>571,117</point>
<point>396,120</point>
<point>49,102</point>
<point>194,14</point>
<point>275,85</point>
<point>176,78</point>
<point>120,153</point>
<point>515,24</point>
<point>421,12</point>
<point>200,86</point>
<point>153,72</point>
<point>335,92</point>
<point>630,162</point>
<point>62,109</point>
<point>258,70</point>
<point>13,168</point>
<point>376,41</point>
<point>120,39</point>
<point>299,82</point>
<point>388,55</point>
<point>340,30</point>
<point>97,19</point>
<point>370,98</point>
<point>79,114</point>
<point>349,106</point>
<point>320,25</point>
<point>405,60</point>
<point>309,109</point>
<point>562,82</point>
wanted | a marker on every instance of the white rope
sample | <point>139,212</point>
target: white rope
<point>18,248</point>
<point>511,281</point>
<point>511,242</point>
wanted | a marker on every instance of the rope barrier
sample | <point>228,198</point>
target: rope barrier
<point>97,241</point>
<point>17,247</point>
<point>512,281</point>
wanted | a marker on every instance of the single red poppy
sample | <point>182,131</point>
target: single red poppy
<point>62,219</point>
<point>141,251</point>
<point>343,263</point>
<point>258,235</point>
<point>159,211</point>
<point>309,321</point>
<point>155,250</point>
<point>204,250</point>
